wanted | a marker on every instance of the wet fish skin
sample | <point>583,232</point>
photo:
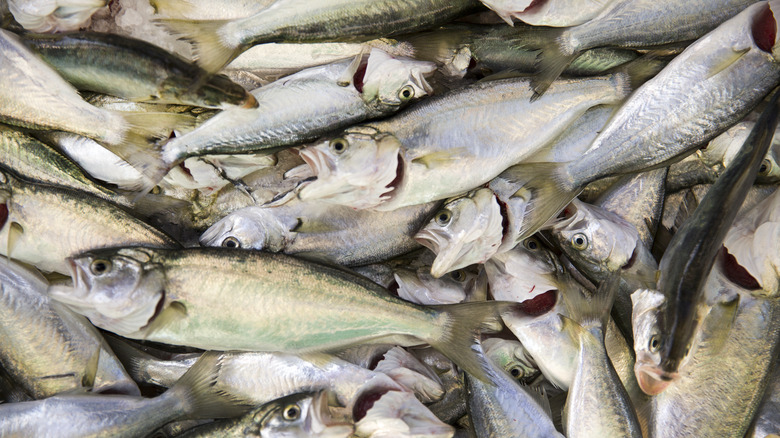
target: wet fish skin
<point>217,42</point>
<point>767,420</point>
<point>427,153</point>
<point>43,225</point>
<point>47,348</point>
<point>193,315</point>
<point>555,14</point>
<point>99,62</point>
<point>310,228</point>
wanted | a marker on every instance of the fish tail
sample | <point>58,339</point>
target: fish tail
<point>594,312</point>
<point>137,145</point>
<point>556,54</point>
<point>458,338</point>
<point>548,189</point>
<point>212,51</point>
<point>197,390</point>
<point>172,8</point>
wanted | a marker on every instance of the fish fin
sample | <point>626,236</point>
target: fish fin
<point>172,8</point>
<point>175,311</point>
<point>458,336</point>
<point>685,210</point>
<point>557,403</point>
<point>131,357</point>
<point>408,372</point>
<point>109,379</point>
<point>88,380</point>
<point>725,62</point>
<point>212,53</point>
<point>203,400</point>
<point>438,158</point>
<point>641,69</point>
<point>550,192</point>
<point>15,232</point>
<point>719,332</point>
<point>594,312</point>
<point>154,205</point>
<point>552,60</point>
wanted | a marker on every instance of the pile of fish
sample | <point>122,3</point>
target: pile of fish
<point>382,218</point>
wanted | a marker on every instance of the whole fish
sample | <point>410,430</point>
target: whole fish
<point>99,62</point>
<point>43,225</point>
<point>633,23</point>
<point>34,96</point>
<point>91,415</point>
<point>164,296</point>
<point>428,152</point>
<point>688,259</point>
<point>697,96</point>
<point>337,95</point>
<point>309,228</point>
<point>47,348</point>
<point>298,415</point>
<point>219,41</point>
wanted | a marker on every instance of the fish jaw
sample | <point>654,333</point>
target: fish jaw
<point>390,81</point>
<point>320,423</point>
<point>653,380</point>
<point>472,234</point>
<point>356,170</point>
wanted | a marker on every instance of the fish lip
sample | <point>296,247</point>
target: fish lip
<point>652,380</point>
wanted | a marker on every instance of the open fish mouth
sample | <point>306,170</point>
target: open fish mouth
<point>652,380</point>
<point>320,422</point>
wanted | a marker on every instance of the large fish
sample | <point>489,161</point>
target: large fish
<point>249,300</point>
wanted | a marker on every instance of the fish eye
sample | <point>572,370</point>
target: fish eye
<point>766,167</point>
<point>579,241</point>
<point>531,244</point>
<point>100,266</point>
<point>231,242</point>
<point>458,275</point>
<point>443,217</point>
<point>338,145</point>
<point>406,93</point>
<point>655,343</point>
<point>291,412</point>
<point>516,372</point>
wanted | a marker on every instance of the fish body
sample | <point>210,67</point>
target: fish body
<point>427,152</point>
<point>43,225</point>
<point>135,70</point>
<point>47,348</point>
<point>328,307</point>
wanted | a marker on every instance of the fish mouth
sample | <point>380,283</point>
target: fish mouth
<point>3,215</point>
<point>317,161</point>
<point>540,304</point>
<point>652,380</point>
<point>321,424</point>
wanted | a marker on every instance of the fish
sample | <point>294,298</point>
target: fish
<point>95,415</point>
<point>217,42</point>
<point>766,421</point>
<point>48,349</point>
<point>597,404</point>
<point>513,358</point>
<point>338,94</point>
<point>502,407</point>
<point>309,229</point>
<point>399,414</point>
<point>688,259</point>
<point>298,415</point>
<point>696,97</point>
<point>547,13</point>
<point>42,225</point>
<point>632,23</point>
<point>427,152</point>
<point>54,16</point>
<point>159,295</point>
<point>419,286</point>
<point>98,62</point>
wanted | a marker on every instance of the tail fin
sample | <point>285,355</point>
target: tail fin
<point>197,389</point>
<point>594,312</point>
<point>212,52</point>
<point>458,338</point>
<point>642,69</point>
<point>550,191</point>
<point>137,147</point>
<point>552,60</point>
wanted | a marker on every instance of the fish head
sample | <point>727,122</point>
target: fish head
<point>467,230</point>
<point>596,238</point>
<point>769,170</point>
<point>419,286</point>
<point>648,316</point>
<point>513,358</point>
<point>121,290</point>
<point>526,272</point>
<point>390,82</point>
<point>359,169</point>
<point>297,415</point>
<point>257,228</point>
